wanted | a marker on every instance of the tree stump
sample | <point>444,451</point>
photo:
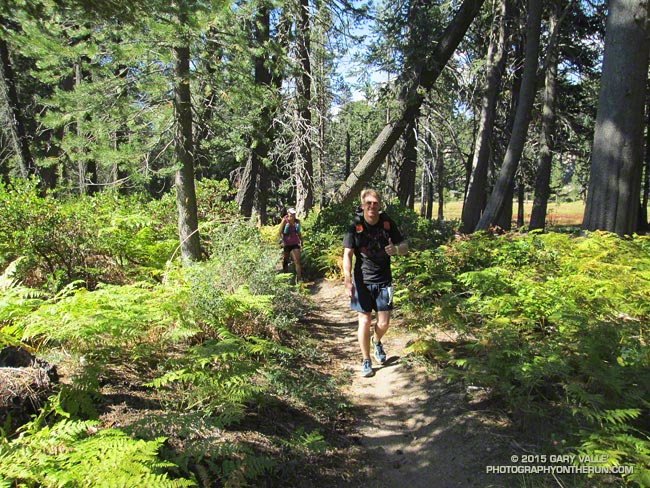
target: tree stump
<point>25,384</point>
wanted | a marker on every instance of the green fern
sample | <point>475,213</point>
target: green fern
<point>16,302</point>
<point>309,441</point>
<point>78,454</point>
<point>553,324</point>
<point>218,375</point>
<point>112,321</point>
<point>197,444</point>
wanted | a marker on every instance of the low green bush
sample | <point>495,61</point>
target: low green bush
<point>79,454</point>
<point>100,239</point>
<point>201,341</point>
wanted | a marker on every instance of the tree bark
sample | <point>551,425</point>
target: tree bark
<point>643,211</point>
<point>521,201</point>
<point>410,100</point>
<point>428,173</point>
<point>188,228</point>
<point>497,204</point>
<point>14,116</point>
<point>543,177</point>
<point>440,179</point>
<point>617,154</point>
<point>304,163</point>
<point>477,188</point>
<point>348,152</point>
<point>406,188</point>
<point>400,176</point>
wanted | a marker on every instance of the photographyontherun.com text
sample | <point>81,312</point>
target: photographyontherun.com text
<point>558,464</point>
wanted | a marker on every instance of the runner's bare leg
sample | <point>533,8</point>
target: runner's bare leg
<point>363,334</point>
<point>383,322</point>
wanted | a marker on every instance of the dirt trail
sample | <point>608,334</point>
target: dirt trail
<point>415,430</point>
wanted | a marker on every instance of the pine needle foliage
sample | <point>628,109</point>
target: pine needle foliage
<point>552,325</point>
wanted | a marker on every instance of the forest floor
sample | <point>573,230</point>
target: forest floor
<point>404,427</point>
<point>411,428</point>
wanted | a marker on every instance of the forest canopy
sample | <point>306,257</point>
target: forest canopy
<point>295,104</point>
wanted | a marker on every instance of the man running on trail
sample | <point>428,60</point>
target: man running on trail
<point>372,238</point>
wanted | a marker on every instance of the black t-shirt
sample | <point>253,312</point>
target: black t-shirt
<point>372,264</point>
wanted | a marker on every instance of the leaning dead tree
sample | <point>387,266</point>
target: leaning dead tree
<point>410,99</point>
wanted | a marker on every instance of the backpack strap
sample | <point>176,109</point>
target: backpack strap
<point>360,228</point>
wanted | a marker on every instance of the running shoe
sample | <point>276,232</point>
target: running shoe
<point>380,355</point>
<point>366,368</point>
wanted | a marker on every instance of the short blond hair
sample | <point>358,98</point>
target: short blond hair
<point>371,192</point>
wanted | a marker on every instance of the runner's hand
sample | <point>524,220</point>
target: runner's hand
<point>390,249</point>
<point>349,288</point>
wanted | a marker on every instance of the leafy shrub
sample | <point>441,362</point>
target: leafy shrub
<point>419,232</point>
<point>240,256</point>
<point>215,205</point>
<point>104,238</point>
<point>239,287</point>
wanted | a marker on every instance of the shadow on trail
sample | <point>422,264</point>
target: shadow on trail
<point>415,429</point>
<point>420,432</point>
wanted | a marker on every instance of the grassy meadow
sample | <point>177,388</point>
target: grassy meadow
<point>558,214</point>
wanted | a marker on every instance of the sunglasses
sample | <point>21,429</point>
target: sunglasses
<point>371,204</point>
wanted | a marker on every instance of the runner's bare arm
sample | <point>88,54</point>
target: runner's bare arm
<point>347,270</point>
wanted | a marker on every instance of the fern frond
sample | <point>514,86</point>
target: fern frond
<point>76,453</point>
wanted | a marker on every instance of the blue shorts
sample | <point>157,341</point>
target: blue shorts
<point>367,298</point>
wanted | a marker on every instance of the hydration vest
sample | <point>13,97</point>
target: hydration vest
<point>360,230</point>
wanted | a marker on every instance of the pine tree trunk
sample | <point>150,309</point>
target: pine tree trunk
<point>617,155</point>
<point>477,187</point>
<point>247,186</point>
<point>429,175</point>
<point>543,178</point>
<point>643,215</point>
<point>497,202</point>
<point>257,146</point>
<point>410,100</point>
<point>269,81</point>
<point>263,194</point>
<point>521,201</point>
<point>348,152</point>
<point>440,179</point>
<point>304,163</point>
<point>188,229</point>
<point>14,119</point>
<point>504,222</point>
<point>406,187</point>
